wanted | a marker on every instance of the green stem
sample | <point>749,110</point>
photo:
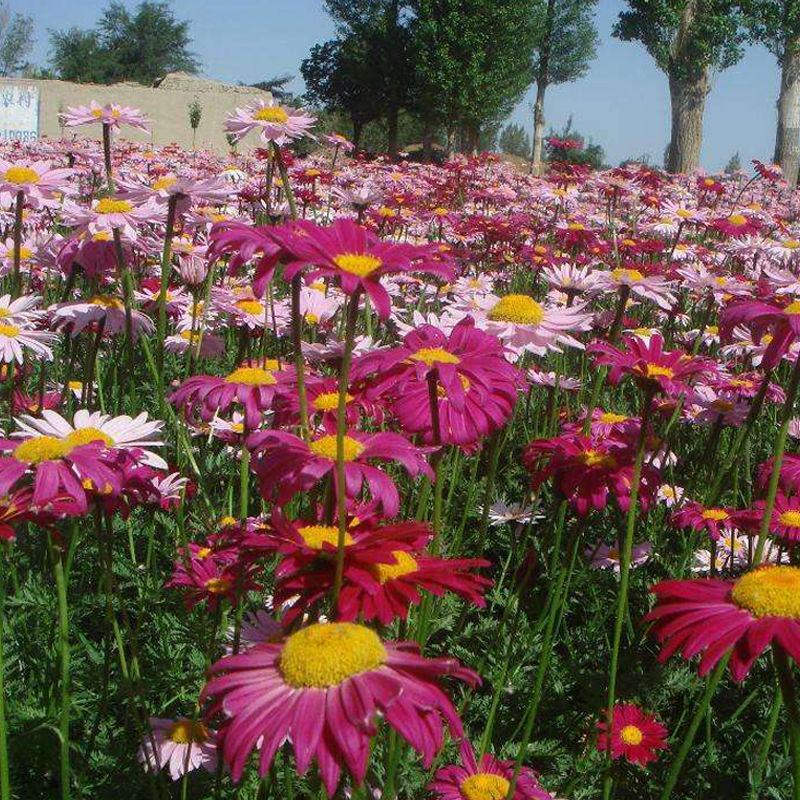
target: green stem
<point>766,744</point>
<point>488,492</point>
<point>166,269</point>
<point>624,585</point>
<point>5,782</point>
<point>691,731</point>
<point>777,460</point>
<point>789,693</point>
<point>341,432</point>
<point>63,649</point>
<point>16,282</point>
<point>436,458</point>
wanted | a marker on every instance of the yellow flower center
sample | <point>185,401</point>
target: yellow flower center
<point>359,264</point>
<point>311,318</point>
<point>82,436</point>
<point>627,274</point>
<point>519,309</point>
<point>250,307</point>
<point>187,731</point>
<point>203,552</point>
<point>715,513</point>
<point>737,219</point>
<point>329,401</point>
<point>110,206</point>
<point>790,518</point>
<point>712,330</point>
<point>164,183</point>
<point>218,585</point>
<point>251,376</point>
<point>404,565</point>
<point>432,355</point>
<point>189,336</point>
<point>9,331</point>
<point>274,114</point>
<point>610,418</point>
<point>793,308</point>
<point>325,446</point>
<point>226,522</point>
<point>41,448</point>
<point>484,786</point>
<point>656,370</point>
<point>20,175</point>
<point>107,301</point>
<point>594,458</point>
<point>325,655</point>
<point>791,244</point>
<point>315,536</point>
<point>632,735</point>
<point>769,592</point>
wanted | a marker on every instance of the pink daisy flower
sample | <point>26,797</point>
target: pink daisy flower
<point>714,617</point>
<point>35,179</point>
<point>179,746</point>
<point>274,122</point>
<point>711,520</point>
<point>112,114</point>
<point>322,688</point>
<point>102,308</point>
<point>489,779</point>
<point>781,323</point>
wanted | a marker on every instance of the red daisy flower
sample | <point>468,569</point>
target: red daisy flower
<point>699,518</point>
<point>489,779</point>
<point>322,688</point>
<point>358,258</point>
<point>635,736</point>
<point>286,464</point>
<point>476,386</point>
<point>205,577</point>
<point>713,617</point>
<point>785,520</point>
<point>650,365</point>
<point>586,469</point>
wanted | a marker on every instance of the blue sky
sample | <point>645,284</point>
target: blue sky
<point>622,103</point>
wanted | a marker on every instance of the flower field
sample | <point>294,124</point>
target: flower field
<point>325,476</point>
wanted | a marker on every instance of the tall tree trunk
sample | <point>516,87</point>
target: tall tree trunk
<point>538,129</point>
<point>542,79</point>
<point>427,140</point>
<point>358,129</point>
<point>688,100</point>
<point>392,125</point>
<point>787,136</point>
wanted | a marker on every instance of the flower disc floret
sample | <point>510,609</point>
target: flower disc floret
<point>82,436</point>
<point>360,264</point>
<point>329,401</point>
<point>251,376</point>
<point>519,309</point>
<point>187,731</point>
<point>404,564</point>
<point>790,518</point>
<point>769,592</point>
<point>433,355</point>
<point>274,114</point>
<point>41,448</point>
<point>20,175</point>
<point>632,735</point>
<point>108,205</point>
<point>325,655</point>
<point>325,446</point>
<point>316,536</point>
<point>484,786</point>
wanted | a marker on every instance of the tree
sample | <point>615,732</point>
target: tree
<point>380,28</point>
<point>195,115</point>
<point>140,47</point>
<point>515,141</point>
<point>566,42</point>
<point>687,39</point>
<point>734,165</point>
<point>276,86</point>
<point>16,41</point>
<point>472,62</point>
<point>776,24</point>
<point>338,77</point>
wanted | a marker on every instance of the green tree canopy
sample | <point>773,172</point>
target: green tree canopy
<point>140,46</point>
<point>16,41</point>
<point>515,141</point>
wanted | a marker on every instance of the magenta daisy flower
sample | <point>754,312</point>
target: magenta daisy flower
<point>112,114</point>
<point>635,736</point>
<point>476,387</point>
<point>286,464</point>
<point>714,617</point>
<point>252,387</point>
<point>357,258</point>
<point>489,779</point>
<point>322,688</point>
<point>244,243</point>
<point>652,367</point>
<point>700,518</point>
<point>785,520</point>
<point>780,323</point>
<point>37,180</point>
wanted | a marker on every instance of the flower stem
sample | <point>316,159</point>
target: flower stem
<point>789,693</point>
<point>777,460</point>
<point>16,282</point>
<point>436,458</point>
<point>341,430</point>
<point>691,731</point>
<point>63,650</point>
<point>5,783</point>
<point>166,269</point>
<point>494,458</point>
<point>624,584</point>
